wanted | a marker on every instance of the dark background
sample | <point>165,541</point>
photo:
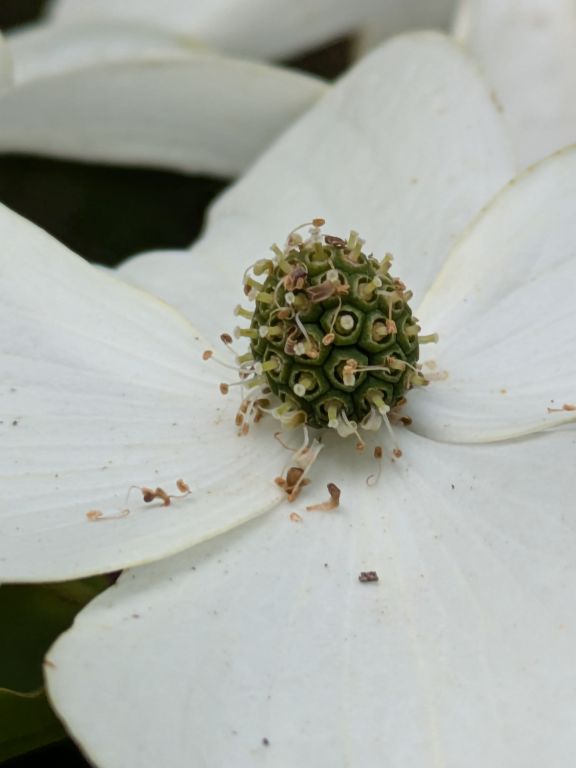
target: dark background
<point>106,213</point>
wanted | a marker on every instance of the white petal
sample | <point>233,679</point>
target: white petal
<point>467,639</point>
<point>405,149</point>
<point>113,93</point>
<point>528,51</point>
<point>504,308</point>
<point>104,387</point>
<point>403,16</point>
<point>42,51</point>
<point>276,28</point>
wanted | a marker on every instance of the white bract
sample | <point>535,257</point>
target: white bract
<point>130,94</point>
<point>261,28</point>
<point>527,49</point>
<point>261,646</point>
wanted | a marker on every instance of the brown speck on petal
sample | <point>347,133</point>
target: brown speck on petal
<point>295,517</point>
<point>368,576</point>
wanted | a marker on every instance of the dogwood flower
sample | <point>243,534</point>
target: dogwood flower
<point>429,611</point>
<point>131,94</point>
<point>527,49</point>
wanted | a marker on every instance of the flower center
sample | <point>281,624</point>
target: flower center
<point>332,335</point>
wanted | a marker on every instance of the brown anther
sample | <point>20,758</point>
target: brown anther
<point>333,240</point>
<point>332,503</point>
<point>296,279</point>
<point>295,517</point>
<point>224,389</point>
<point>245,429</point>
<point>565,407</point>
<point>378,452</point>
<point>294,482</point>
<point>391,326</point>
<point>360,446</point>
<point>95,515</point>
<point>319,222</point>
<point>239,419</point>
<point>406,420</point>
<point>182,486</point>
<point>397,452</point>
<point>321,292</point>
<point>280,481</point>
<point>367,576</point>
<point>207,354</point>
<point>328,339</point>
<point>293,476</point>
<point>226,338</point>
<point>149,495</point>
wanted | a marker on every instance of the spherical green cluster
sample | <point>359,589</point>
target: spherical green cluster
<point>333,331</point>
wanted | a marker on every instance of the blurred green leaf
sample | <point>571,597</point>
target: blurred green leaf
<point>32,617</point>
<point>26,723</point>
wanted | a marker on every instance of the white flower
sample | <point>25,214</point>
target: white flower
<point>262,646</point>
<point>131,94</point>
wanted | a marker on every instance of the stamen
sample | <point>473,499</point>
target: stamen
<point>332,503</point>
<point>249,333</point>
<point>239,311</point>
<point>346,322</point>
<point>372,480</point>
<point>265,298</point>
<point>349,372</point>
<point>372,421</point>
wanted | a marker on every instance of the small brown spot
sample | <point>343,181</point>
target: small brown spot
<point>207,354</point>
<point>367,576</point>
<point>295,517</point>
<point>378,452</point>
<point>503,391</point>
<point>224,388</point>
<point>182,486</point>
<point>265,741</point>
<point>225,338</point>
<point>397,452</point>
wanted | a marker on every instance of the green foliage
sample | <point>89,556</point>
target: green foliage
<point>32,617</point>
